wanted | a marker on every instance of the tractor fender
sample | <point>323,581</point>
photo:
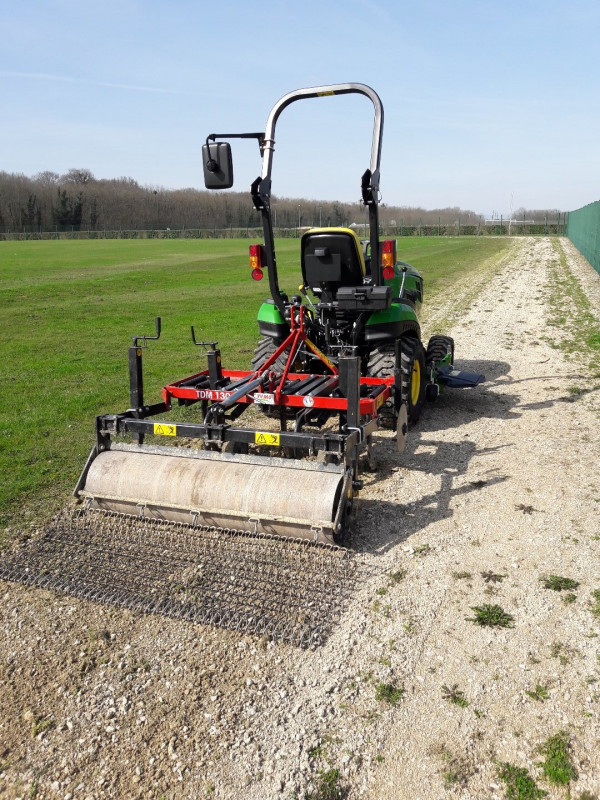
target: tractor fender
<point>271,322</point>
<point>383,326</point>
<point>413,283</point>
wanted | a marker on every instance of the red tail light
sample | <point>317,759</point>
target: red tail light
<point>388,255</point>
<point>388,273</point>
<point>256,261</point>
<point>255,256</point>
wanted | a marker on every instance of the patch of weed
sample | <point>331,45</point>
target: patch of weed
<point>389,693</point>
<point>492,577</point>
<point>40,724</point>
<point>396,577</point>
<point>456,772</point>
<point>422,550</point>
<point>519,783</point>
<point>580,335</point>
<point>557,766</point>
<point>558,583</point>
<point>539,693</point>
<point>318,751</point>
<point>454,695</point>
<point>569,598</point>
<point>561,651</point>
<point>596,605</point>
<point>451,777</point>
<point>526,509</point>
<point>491,616</point>
<point>459,576</point>
<point>328,787</point>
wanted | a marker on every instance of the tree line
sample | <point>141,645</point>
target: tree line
<point>78,201</point>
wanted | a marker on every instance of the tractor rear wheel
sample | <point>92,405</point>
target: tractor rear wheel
<point>264,350</point>
<point>412,363</point>
<point>381,364</point>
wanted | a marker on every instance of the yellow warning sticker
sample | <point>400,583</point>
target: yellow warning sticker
<point>266,437</point>
<point>164,429</point>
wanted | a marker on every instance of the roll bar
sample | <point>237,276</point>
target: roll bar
<point>218,172</point>
<point>268,143</point>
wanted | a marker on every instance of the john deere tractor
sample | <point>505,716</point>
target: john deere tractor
<point>347,347</point>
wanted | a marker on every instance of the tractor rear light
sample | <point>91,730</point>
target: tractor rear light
<point>388,273</point>
<point>388,254</point>
<point>257,274</point>
<point>255,256</point>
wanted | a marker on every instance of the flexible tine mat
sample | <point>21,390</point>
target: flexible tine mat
<point>284,589</point>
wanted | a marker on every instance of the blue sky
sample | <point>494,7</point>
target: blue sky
<point>487,104</point>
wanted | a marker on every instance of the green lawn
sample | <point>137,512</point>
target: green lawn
<point>69,308</point>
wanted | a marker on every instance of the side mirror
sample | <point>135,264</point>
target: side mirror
<point>217,164</point>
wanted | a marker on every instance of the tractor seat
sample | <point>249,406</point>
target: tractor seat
<point>331,258</point>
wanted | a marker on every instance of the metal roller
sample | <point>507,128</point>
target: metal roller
<point>221,490</point>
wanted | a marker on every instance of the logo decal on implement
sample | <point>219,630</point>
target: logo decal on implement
<point>308,401</point>
<point>264,397</point>
<point>164,429</point>
<point>266,437</point>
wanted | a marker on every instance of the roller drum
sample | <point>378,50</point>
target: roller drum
<point>269,495</point>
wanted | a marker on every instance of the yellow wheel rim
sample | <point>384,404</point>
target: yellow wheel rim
<point>415,383</point>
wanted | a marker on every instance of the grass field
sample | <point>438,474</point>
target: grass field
<point>68,310</point>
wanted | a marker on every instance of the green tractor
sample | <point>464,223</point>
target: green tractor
<point>357,295</point>
<point>346,347</point>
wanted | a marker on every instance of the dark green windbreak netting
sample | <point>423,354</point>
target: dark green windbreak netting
<point>583,229</point>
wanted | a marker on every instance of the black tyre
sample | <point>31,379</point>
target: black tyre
<point>381,364</point>
<point>438,348</point>
<point>265,348</point>
<point>412,363</point>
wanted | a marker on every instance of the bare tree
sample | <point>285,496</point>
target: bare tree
<point>79,176</point>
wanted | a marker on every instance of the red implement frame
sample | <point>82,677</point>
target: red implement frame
<point>271,388</point>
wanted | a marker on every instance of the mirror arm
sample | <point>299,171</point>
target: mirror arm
<point>212,137</point>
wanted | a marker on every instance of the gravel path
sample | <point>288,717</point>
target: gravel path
<point>408,698</point>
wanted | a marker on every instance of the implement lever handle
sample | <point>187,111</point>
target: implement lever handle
<point>137,339</point>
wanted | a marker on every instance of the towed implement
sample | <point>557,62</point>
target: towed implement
<point>333,363</point>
